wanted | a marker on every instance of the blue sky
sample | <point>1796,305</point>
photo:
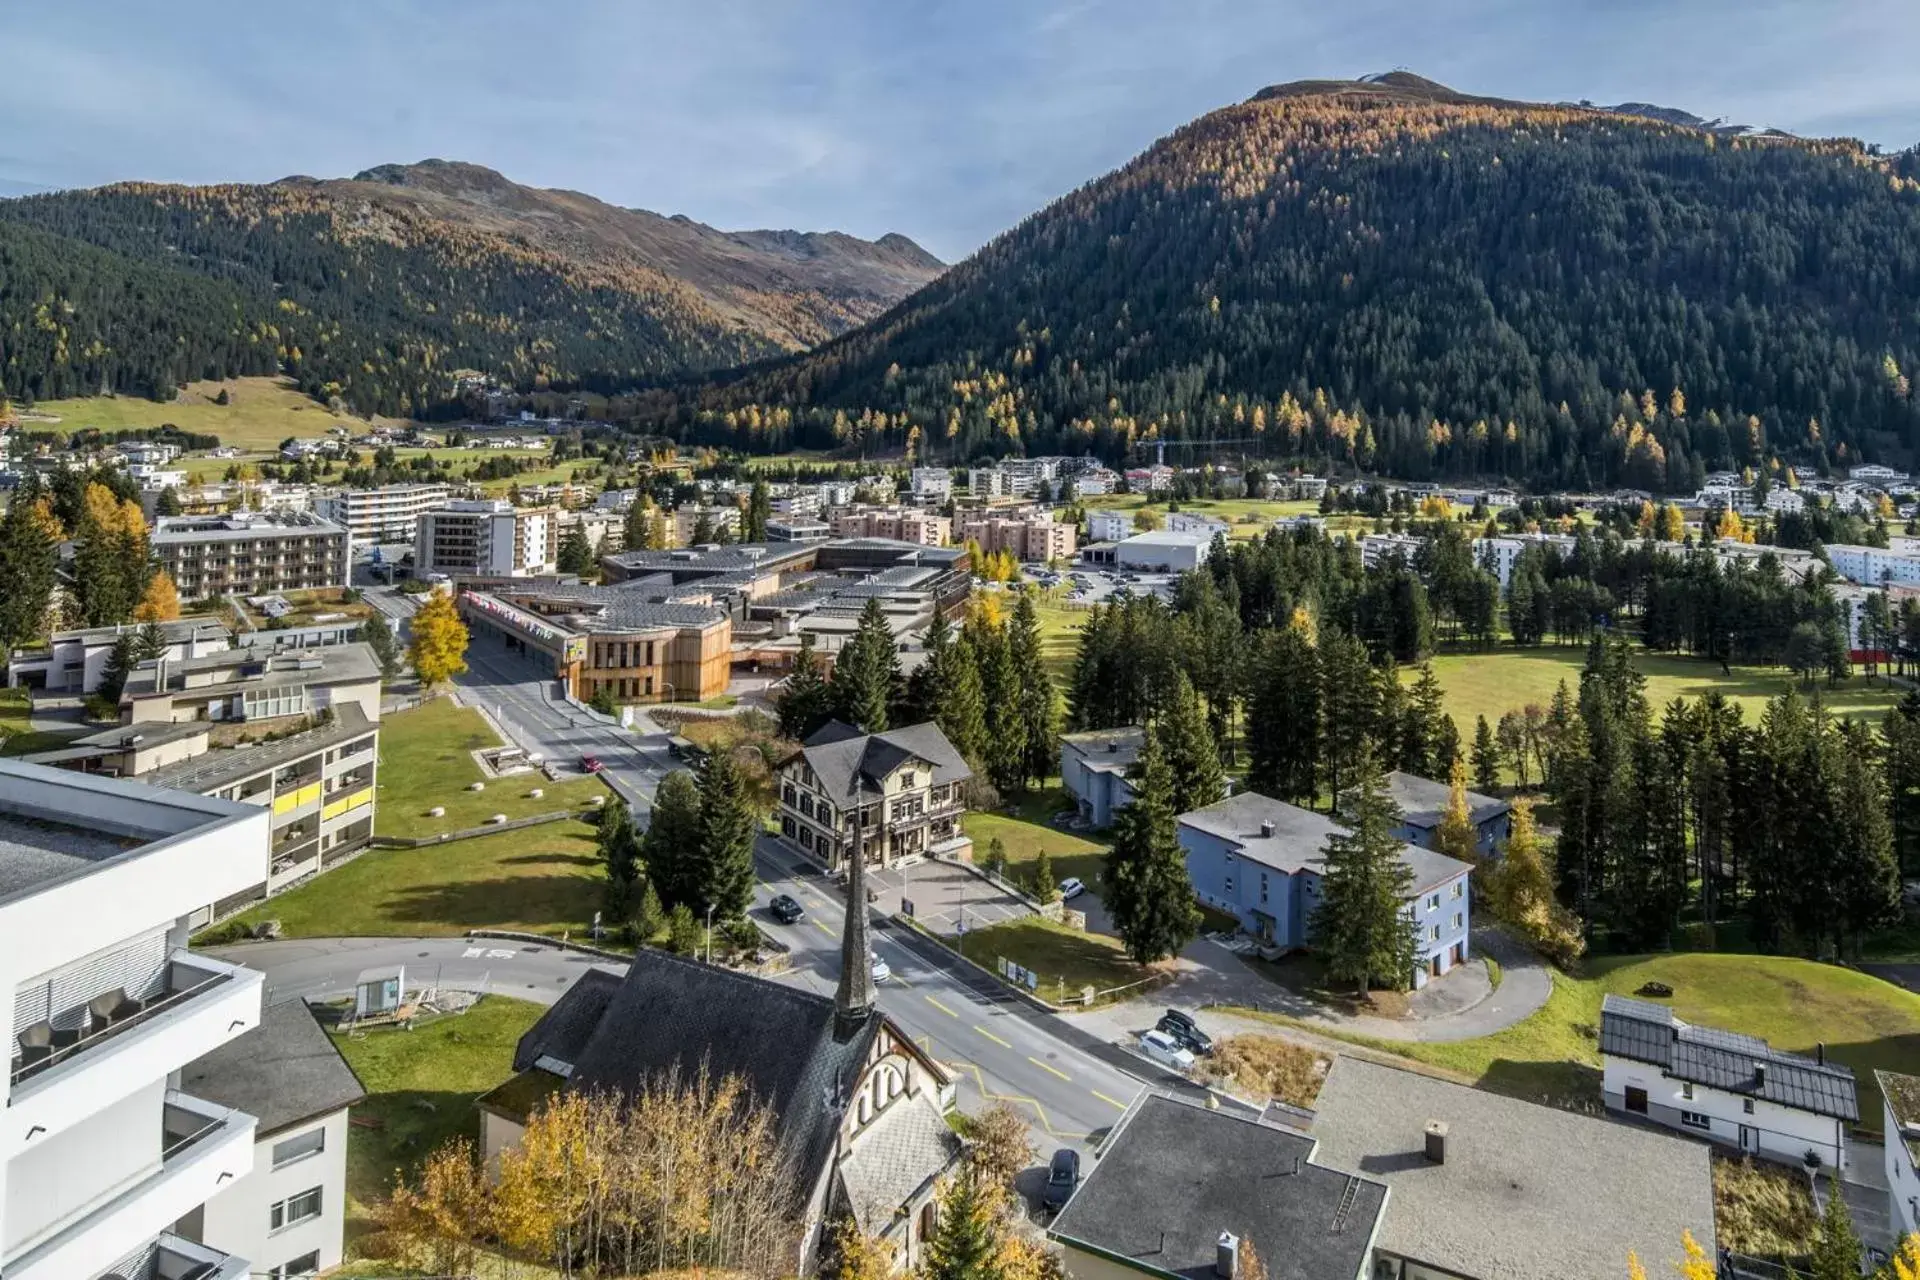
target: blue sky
<point>945,121</point>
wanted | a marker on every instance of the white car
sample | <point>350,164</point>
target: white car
<point>1071,888</point>
<point>880,970</point>
<point>1162,1048</point>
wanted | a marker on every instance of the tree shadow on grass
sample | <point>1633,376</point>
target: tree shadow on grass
<point>550,859</point>
<point>559,900</point>
<point>1571,1086</point>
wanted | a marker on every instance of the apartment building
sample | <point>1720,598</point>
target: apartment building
<point>799,504</point>
<point>389,513</point>
<point>896,794</point>
<point>1874,566</point>
<point>76,661</point>
<point>242,684</point>
<point>250,554</point>
<point>620,640</point>
<point>987,482</point>
<point>486,538</point>
<point>901,524</point>
<point>289,1215</point>
<point>1109,526</point>
<point>1034,536</point>
<point>686,521</point>
<point>105,1164</point>
<point>931,484</point>
<point>796,529</point>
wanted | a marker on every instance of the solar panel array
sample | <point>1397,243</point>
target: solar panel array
<point>1727,1060</point>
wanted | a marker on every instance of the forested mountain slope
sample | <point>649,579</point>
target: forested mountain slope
<point>378,288</point>
<point>1392,274</point>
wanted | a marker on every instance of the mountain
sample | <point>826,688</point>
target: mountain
<point>378,288</point>
<point>1393,275</point>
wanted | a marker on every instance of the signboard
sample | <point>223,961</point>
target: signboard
<point>575,650</point>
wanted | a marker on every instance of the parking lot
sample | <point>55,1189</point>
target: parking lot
<point>1089,584</point>
<point>943,894</point>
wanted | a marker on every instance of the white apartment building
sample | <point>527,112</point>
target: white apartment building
<point>103,1161</point>
<point>1875,474</point>
<point>686,521</point>
<point>1873,566</point>
<point>76,661</point>
<point>931,484</point>
<point>1109,526</point>
<point>289,1215</point>
<point>390,513</point>
<point>1502,553</point>
<point>1900,1116</point>
<point>1376,548</point>
<point>1193,522</point>
<point>1723,1086</point>
<point>486,538</point>
<point>615,499</point>
<point>1093,484</point>
<point>987,482</point>
<point>799,504</point>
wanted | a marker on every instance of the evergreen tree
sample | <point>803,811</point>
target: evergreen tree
<point>1041,879</point>
<point>723,858</point>
<point>168,503</point>
<point>1424,741</point>
<point>576,554</point>
<point>807,701</point>
<point>1347,702</point>
<point>1039,721</point>
<point>1192,758</point>
<point>1145,885</point>
<point>966,1242</point>
<point>1361,926</point>
<point>1858,843</point>
<point>619,849</point>
<point>637,527</point>
<point>996,859</point>
<point>1900,753</point>
<point>867,672</point>
<point>671,845</point>
<point>377,634</point>
<point>1837,1251</point>
<point>1006,746</point>
<point>703,530</point>
<point>1486,757</point>
<point>1456,836</point>
<point>945,689</point>
<point>121,660</point>
<point>150,642</point>
<point>29,555</point>
<point>1283,717</point>
<point>753,522</point>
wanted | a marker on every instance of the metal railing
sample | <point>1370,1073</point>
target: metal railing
<point>149,1009</point>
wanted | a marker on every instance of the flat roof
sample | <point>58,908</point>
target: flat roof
<point>329,664</point>
<point>1169,538</point>
<point>1175,1175</point>
<point>41,845</point>
<point>282,1072</point>
<point>174,530</point>
<point>225,765</point>
<point>1525,1190</point>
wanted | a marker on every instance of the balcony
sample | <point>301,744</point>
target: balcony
<point>123,1043</point>
<point>204,1149</point>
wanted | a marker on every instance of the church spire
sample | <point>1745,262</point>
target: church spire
<point>855,998</point>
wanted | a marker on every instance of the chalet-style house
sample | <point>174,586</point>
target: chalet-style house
<point>898,793</point>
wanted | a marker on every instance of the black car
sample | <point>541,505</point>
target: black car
<point>1063,1175</point>
<point>785,909</point>
<point>1186,1032</point>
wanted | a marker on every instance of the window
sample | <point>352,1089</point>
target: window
<point>786,826</point>
<point>1694,1120</point>
<point>299,1147</point>
<point>305,1265</point>
<point>294,1210</point>
<point>1746,1105</point>
<point>1433,902</point>
<point>1229,884</point>
<point>1433,934</point>
<point>1263,886</point>
<point>1456,920</point>
<point>909,780</point>
<point>1686,1090</point>
<point>1459,888</point>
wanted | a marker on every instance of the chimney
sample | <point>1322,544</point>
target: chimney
<point>1226,1256</point>
<point>1820,1053</point>
<point>1266,829</point>
<point>1113,744</point>
<point>1437,1141</point>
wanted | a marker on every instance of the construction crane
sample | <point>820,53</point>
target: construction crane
<point>1159,446</point>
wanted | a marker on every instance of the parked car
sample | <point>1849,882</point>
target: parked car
<point>785,909</point>
<point>590,764</point>
<point>1063,1178</point>
<point>1071,888</point>
<point>880,970</point>
<point>1185,1031</point>
<point>1165,1050</point>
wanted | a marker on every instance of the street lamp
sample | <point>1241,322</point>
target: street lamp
<point>709,933</point>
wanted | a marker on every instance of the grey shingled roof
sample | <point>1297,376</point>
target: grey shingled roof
<point>838,753</point>
<point>1173,1176</point>
<point>1642,1031</point>
<point>1526,1191</point>
<point>675,1015</point>
<point>1423,801</point>
<point>897,1153</point>
<point>1092,747</point>
<point>1299,838</point>
<point>283,1072</point>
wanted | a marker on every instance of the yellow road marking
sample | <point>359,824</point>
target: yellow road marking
<point>942,1008</point>
<point>1104,1098</point>
<point>1039,1111</point>
<point>1044,1067</point>
<point>996,1039</point>
<point>822,928</point>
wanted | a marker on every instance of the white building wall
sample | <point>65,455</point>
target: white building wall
<point>1783,1133</point>
<point>73,1170</point>
<point>237,1221</point>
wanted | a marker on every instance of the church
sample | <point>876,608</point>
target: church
<point>860,1110</point>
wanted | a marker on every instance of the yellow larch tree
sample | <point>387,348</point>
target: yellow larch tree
<point>438,649</point>
<point>160,602</point>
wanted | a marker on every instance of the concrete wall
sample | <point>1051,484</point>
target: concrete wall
<point>236,1220</point>
<point>1783,1133</point>
<point>67,1172</point>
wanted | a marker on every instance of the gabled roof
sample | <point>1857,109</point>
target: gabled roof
<point>674,1015</point>
<point>1423,802</point>
<point>841,756</point>
<point>1642,1031</point>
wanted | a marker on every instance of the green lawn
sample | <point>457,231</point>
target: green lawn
<point>1059,638</point>
<point>544,879</point>
<point>426,760</point>
<point>260,414</point>
<point>1553,1056</point>
<point>1497,681</point>
<point>1025,834</point>
<point>421,1086</point>
<point>1066,959</point>
<point>17,736</point>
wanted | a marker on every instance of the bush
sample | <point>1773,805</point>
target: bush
<point>221,935</point>
<point>684,934</point>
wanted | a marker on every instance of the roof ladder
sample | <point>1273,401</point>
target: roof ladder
<point>1347,1198</point>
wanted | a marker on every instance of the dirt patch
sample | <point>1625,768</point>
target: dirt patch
<point>1763,1209</point>
<point>1268,1067</point>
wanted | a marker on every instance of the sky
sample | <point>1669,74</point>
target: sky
<point>946,122</point>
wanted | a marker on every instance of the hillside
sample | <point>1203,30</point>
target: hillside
<point>376,289</point>
<point>1391,274</point>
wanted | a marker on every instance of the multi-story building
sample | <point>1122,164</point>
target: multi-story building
<point>605,531</point>
<point>105,1162</point>
<point>896,795</point>
<point>288,1217</point>
<point>1874,566</point>
<point>687,520</point>
<point>1193,522</point>
<point>486,538</point>
<point>987,482</point>
<point>799,504</point>
<point>1095,483</point>
<point>1377,548</point>
<point>1035,536</point>
<point>242,684</point>
<point>902,524</point>
<point>1109,526</point>
<point>1900,1127</point>
<point>796,529</point>
<point>623,642</point>
<point>931,484</point>
<point>1502,553</point>
<point>389,513</point>
<point>250,554</point>
<point>75,661</point>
